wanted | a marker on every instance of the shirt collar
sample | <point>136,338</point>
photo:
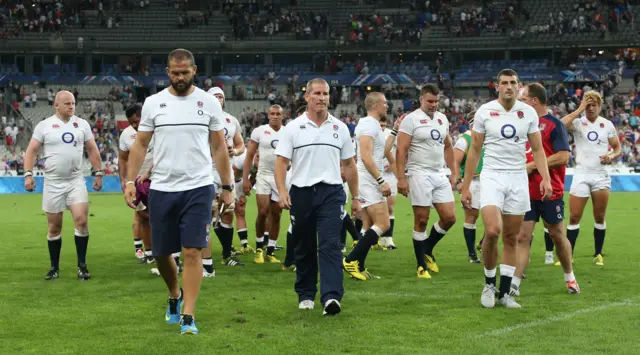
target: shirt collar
<point>306,120</point>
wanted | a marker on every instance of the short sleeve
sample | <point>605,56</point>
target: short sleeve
<point>255,134</point>
<point>86,129</point>
<point>285,144</point>
<point>38,132</point>
<point>147,121</point>
<point>478,121</point>
<point>216,122</point>
<point>461,144</point>
<point>347,150</point>
<point>369,129</point>
<point>238,127</point>
<point>533,124</point>
<point>406,126</point>
<point>611,131</point>
<point>560,138</point>
<point>122,144</point>
<point>576,123</point>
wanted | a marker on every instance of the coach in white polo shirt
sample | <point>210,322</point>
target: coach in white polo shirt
<point>186,124</point>
<point>315,143</point>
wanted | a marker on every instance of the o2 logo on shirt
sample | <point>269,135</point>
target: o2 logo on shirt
<point>69,138</point>
<point>226,132</point>
<point>508,131</point>
<point>274,143</point>
<point>592,136</point>
<point>436,136</point>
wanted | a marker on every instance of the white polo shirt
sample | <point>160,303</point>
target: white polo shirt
<point>127,137</point>
<point>505,134</point>
<point>315,152</point>
<point>592,141</point>
<point>370,127</point>
<point>181,125</point>
<point>63,145</point>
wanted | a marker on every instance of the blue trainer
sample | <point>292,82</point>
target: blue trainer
<point>188,325</point>
<point>173,310</point>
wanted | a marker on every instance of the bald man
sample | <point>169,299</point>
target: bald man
<point>374,190</point>
<point>64,136</point>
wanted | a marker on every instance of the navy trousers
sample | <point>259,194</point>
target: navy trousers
<point>316,218</point>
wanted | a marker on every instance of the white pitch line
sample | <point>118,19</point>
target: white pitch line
<point>404,294</point>
<point>501,331</point>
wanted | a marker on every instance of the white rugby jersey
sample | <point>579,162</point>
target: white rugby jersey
<point>505,134</point>
<point>267,139</point>
<point>315,151</point>
<point>231,126</point>
<point>387,132</point>
<point>426,151</point>
<point>181,125</point>
<point>370,127</point>
<point>63,146</point>
<point>592,141</point>
<point>127,137</point>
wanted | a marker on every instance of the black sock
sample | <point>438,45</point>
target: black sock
<point>389,233</point>
<point>289,258</point>
<point>225,236</point>
<point>505,285</point>
<point>491,280</point>
<point>470,240</point>
<point>548,243</point>
<point>54,252</point>
<point>361,249</point>
<point>137,242</point>
<point>81,249</point>
<point>243,236</point>
<point>358,225</point>
<point>598,236</point>
<point>572,235</point>
<point>259,245</point>
<point>209,264</point>
<point>270,250</point>
<point>434,238</point>
<point>348,225</point>
<point>418,248</point>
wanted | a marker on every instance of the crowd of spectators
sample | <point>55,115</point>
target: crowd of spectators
<point>247,23</point>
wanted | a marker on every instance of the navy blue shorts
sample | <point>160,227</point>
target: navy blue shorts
<point>180,219</point>
<point>551,211</point>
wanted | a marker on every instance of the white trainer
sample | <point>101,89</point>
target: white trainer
<point>306,304</point>
<point>509,302</point>
<point>488,298</point>
<point>548,258</point>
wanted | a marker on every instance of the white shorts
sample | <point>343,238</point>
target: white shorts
<point>475,193</point>
<point>583,184</point>
<point>370,191</point>
<point>509,191</point>
<point>425,190</point>
<point>392,181</point>
<point>218,184</point>
<point>266,185</point>
<point>238,162</point>
<point>345,186</point>
<point>58,196</point>
<point>238,189</point>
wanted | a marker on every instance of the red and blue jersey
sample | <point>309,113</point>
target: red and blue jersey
<point>554,139</point>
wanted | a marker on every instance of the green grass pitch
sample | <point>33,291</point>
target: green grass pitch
<point>253,310</point>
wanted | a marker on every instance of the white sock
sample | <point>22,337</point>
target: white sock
<point>547,253</point>
<point>515,282</point>
<point>569,277</point>
<point>272,243</point>
<point>259,239</point>
<point>207,261</point>
<point>148,253</point>
<point>490,273</point>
